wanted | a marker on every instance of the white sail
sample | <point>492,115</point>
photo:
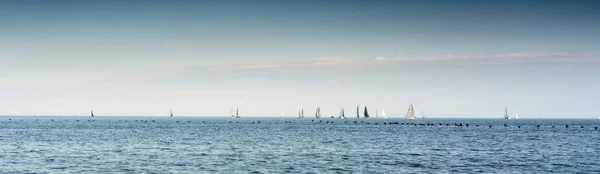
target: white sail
<point>376,113</point>
<point>410,114</point>
<point>357,111</point>
<point>342,113</point>
<point>506,113</point>
<point>318,112</point>
<point>232,114</point>
<point>422,115</point>
<point>281,113</point>
<point>237,113</point>
<point>383,114</point>
<point>517,116</point>
<point>171,116</point>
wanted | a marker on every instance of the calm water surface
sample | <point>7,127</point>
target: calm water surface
<point>276,145</point>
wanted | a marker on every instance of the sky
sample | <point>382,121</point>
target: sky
<point>202,58</point>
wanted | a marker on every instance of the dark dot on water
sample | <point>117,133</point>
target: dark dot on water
<point>519,127</point>
<point>596,128</point>
<point>188,121</point>
<point>504,124</point>
<point>581,126</point>
<point>567,126</point>
<point>490,126</point>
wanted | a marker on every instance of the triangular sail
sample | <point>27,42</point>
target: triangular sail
<point>92,113</point>
<point>517,116</point>
<point>366,113</point>
<point>281,113</point>
<point>171,115</point>
<point>506,113</point>
<point>383,114</point>
<point>376,113</point>
<point>410,114</point>
<point>237,113</point>
<point>422,115</point>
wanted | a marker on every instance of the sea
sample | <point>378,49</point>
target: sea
<point>291,145</point>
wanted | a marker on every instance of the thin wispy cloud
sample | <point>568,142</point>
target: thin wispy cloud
<point>314,62</point>
<point>505,58</point>
<point>548,56</point>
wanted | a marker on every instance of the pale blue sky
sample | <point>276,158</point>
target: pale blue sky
<point>200,58</point>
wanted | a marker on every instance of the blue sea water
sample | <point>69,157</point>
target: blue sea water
<point>291,145</point>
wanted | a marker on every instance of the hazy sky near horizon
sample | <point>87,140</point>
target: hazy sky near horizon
<point>449,58</point>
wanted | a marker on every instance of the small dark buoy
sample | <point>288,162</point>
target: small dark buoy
<point>467,125</point>
<point>504,124</point>
<point>596,128</point>
<point>252,122</point>
<point>77,120</point>
<point>538,126</point>
<point>188,121</point>
<point>51,119</point>
<point>581,126</point>
<point>354,122</point>
<point>440,124</point>
<point>384,123</point>
<point>152,120</point>
<point>9,119</point>
<point>312,120</point>
<point>477,125</point>
<point>258,121</point>
<point>519,127</point>
<point>566,126</point>
<point>177,121</point>
<point>490,126</point>
<point>553,126</point>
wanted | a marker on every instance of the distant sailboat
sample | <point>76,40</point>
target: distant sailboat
<point>517,116</point>
<point>237,113</point>
<point>410,114</point>
<point>376,113</point>
<point>318,112</point>
<point>506,113</point>
<point>422,115</point>
<point>342,113</point>
<point>281,111</point>
<point>383,114</point>
<point>357,111</point>
<point>92,113</point>
<point>232,114</point>
<point>301,113</point>
<point>171,111</point>
<point>366,113</point>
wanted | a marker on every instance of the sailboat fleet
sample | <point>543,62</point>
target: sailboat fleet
<point>410,113</point>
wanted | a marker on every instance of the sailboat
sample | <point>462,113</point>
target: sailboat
<point>92,113</point>
<point>171,111</point>
<point>318,112</point>
<point>301,113</point>
<point>237,113</point>
<point>383,114</point>
<point>422,115</point>
<point>376,113</point>
<point>366,113</point>
<point>342,113</point>
<point>357,111</point>
<point>232,114</point>
<point>410,114</point>
<point>281,111</point>
<point>506,113</point>
<point>517,116</point>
